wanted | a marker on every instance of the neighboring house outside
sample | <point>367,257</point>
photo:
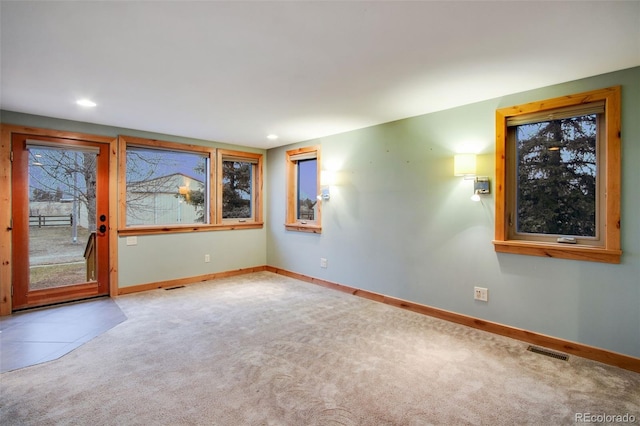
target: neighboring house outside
<point>163,200</point>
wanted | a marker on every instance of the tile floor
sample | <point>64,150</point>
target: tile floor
<point>33,337</point>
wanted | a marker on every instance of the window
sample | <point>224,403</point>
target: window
<point>173,187</point>
<point>240,177</point>
<point>558,177</point>
<point>303,177</point>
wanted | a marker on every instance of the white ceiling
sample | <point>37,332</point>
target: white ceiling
<point>236,71</point>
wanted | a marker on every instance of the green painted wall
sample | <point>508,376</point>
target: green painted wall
<point>399,223</point>
<point>171,256</point>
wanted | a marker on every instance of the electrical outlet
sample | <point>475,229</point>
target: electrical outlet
<point>207,258</point>
<point>481,293</point>
<point>323,262</point>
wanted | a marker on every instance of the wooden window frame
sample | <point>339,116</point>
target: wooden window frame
<point>256,187</point>
<point>215,198</point>
<point>609,251</point>
<point>292,223</point>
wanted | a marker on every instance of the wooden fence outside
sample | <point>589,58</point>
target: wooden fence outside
<point>51,220</point>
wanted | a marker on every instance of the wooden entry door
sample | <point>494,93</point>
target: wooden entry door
<point>60,214</point>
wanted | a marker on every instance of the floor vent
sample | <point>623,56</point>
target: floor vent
<point>174,288</point>
<point>547,352</point>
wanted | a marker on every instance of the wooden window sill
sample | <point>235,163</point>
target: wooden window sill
<point>559,250</point>
<point>176,229</point>
<point>315,229</point>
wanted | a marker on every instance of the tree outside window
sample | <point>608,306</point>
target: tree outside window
<point>165,186</point>
<point>240,180</point>
<point>556,164</point>
<point>236,189</point>
<point>558,177</point>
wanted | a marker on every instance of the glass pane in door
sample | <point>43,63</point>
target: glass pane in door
<point>62,217</point>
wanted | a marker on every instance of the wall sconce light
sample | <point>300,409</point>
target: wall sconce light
<point>464,165</point>
<point>327,178</point>
<point>325,195</point>
<point>480,186</point>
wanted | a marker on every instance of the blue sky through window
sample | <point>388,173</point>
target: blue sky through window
<point>307,179</point>
<point>145,164</point>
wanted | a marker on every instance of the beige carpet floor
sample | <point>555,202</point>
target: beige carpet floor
<point>262,349</point>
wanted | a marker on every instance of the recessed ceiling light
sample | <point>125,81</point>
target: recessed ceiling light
<point>272,137</point>
<point>86,103</point>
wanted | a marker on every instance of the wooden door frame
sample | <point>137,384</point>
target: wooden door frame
<point>6,133</point>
